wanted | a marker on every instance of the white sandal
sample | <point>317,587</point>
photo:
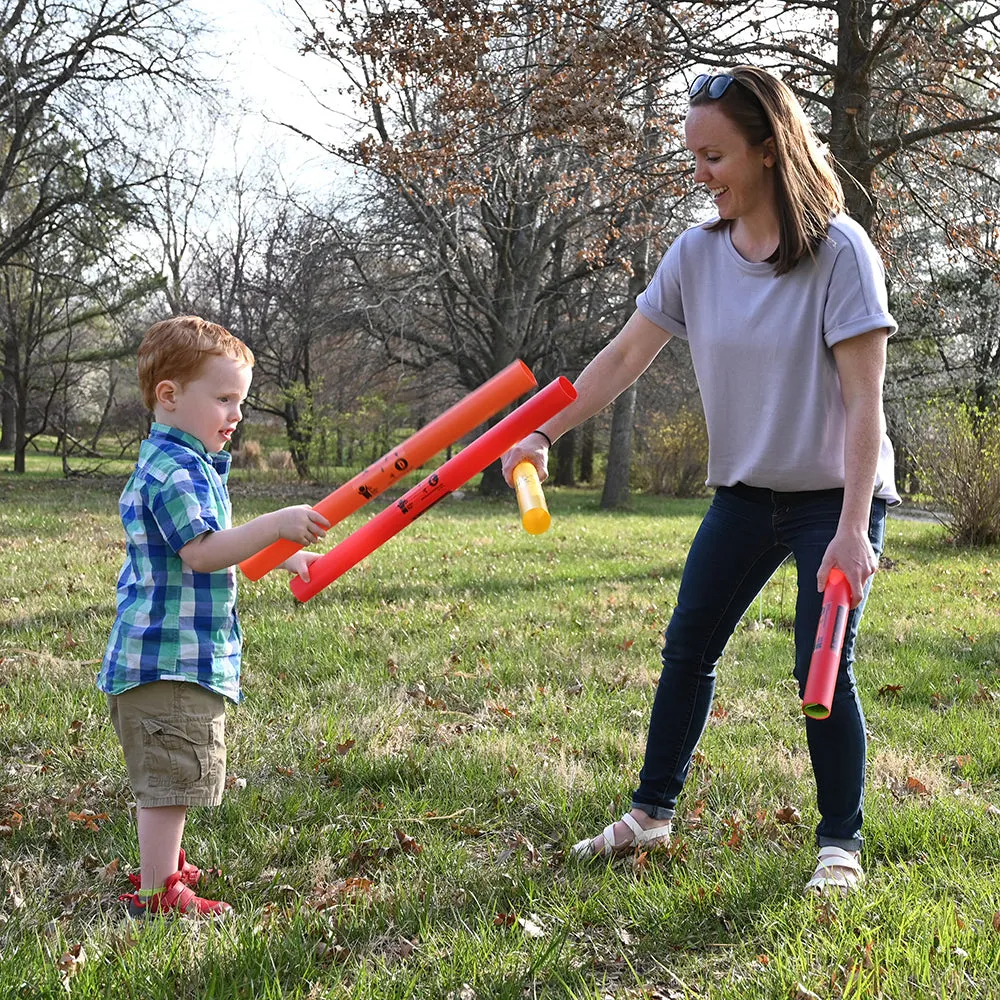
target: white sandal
<point>656,837</point>
<point>838,870</point>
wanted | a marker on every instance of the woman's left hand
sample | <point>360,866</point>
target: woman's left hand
<point>852,553</point>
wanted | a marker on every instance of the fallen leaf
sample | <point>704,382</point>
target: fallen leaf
<point>736,832</point>
<point>407,843</point>
<point>343,748</point>
<point>788,814</point>
<point>326,952</point>
<point>799,992</point>
<point>88,818</point>
<point>505,920</point>
<point>916,787</point>
<point>70,963</point>
<point>345,890</point>
<point>530,928</point>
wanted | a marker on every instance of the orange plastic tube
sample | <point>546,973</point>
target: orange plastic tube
<point>817,700</point>
<point>476,408</point>
<point>474,458</point>
<point>535,517</point>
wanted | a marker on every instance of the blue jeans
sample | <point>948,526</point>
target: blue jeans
<point>745,536</point>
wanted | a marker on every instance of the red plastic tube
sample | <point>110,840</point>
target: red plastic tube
<point>474,458</point>
<point>817,701</point>
<point>476,408</point>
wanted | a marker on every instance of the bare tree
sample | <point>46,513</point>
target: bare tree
<point>80,82</point>
<point>502,141</point>
<point>899,89</point>
<point>65,66</point>
<point>56,298</point>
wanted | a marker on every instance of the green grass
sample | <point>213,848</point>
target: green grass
<point>485,693</point>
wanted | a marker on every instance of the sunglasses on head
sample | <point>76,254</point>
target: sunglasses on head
<point>715,85</point>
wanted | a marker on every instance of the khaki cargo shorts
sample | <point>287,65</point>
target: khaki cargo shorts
<point>173,734</point>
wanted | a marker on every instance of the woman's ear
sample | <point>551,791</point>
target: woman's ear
<point>166,394</point>
<point>770,152</point>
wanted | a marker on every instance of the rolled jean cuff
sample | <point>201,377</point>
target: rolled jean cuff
<point>850,844</point>
<point>654,812</point>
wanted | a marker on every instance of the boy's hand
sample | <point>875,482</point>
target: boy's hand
<point>299,563</point>
<point>301,524</point>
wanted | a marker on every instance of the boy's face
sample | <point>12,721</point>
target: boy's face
<point>209,406</point>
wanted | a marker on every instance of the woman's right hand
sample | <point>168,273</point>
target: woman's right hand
<point>529,449</point>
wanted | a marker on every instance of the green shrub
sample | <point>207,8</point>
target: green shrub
<point>674,455</point>
<point>958,461</point>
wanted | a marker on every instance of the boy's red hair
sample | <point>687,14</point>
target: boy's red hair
<point>176,348</point>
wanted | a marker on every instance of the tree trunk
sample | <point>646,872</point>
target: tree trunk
<point>8,398</point>
<point>109,400</point>
<point>493,483</point>
<point>298,440</point>
<point>566,459</point>
<point>587,453</point>
<point>615,495</point>
<point>850,121</point>
<point>616,491</point>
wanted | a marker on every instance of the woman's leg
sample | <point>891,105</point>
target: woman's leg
<point>837,744</point>
<point>734,553</point>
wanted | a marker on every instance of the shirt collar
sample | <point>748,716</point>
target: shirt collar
<point>219,459</point>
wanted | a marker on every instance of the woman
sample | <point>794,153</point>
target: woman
<point>782,300</point>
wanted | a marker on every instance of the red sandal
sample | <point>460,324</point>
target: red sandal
<point>175,898</point>
<point>190,874</point>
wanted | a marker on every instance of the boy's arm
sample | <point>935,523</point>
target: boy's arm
<point>215,550</point>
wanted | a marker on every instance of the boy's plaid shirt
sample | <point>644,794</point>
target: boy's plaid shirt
<point>172,623</point>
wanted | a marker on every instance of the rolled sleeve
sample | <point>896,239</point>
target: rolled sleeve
<point>660,301</point>
<point>856,301</point>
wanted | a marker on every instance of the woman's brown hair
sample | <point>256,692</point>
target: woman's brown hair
<point>808,190</point>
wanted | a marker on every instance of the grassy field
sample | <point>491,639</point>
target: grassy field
<point>422,742</point>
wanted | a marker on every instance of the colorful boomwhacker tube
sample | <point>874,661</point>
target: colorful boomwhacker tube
<point>476,408</point>
<point>535,517</point>
<point>454,473</point>
<point>817,700</point>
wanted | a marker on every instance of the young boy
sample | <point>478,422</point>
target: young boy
<point>173,657</point>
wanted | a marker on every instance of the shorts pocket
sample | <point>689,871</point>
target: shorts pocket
<point>177,756</point>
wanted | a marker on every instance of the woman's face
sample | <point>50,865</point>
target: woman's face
<point>739,177</point>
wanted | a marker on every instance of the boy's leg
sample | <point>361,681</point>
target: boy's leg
<point>160,830</point>
<point>172,734</point>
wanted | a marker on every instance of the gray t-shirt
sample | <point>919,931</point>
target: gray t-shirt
<point>761,351</point>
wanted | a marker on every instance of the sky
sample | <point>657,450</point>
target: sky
<point>253,52</point>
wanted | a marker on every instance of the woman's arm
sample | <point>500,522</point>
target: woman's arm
<point>612,371</point>
<point>861,368</point>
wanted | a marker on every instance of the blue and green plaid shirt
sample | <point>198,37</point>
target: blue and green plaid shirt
<point>173,624</point>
